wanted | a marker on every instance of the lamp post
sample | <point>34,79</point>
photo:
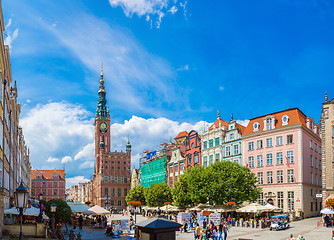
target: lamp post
<point>106,203</point>
<point>21,198</point>
<point>40,198</point>
<point>53,207</point>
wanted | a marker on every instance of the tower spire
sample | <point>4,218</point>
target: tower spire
<point>102,110</point>
<point>218,117</point>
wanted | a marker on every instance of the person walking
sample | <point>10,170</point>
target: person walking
<point>215,233</point>
<point>197,231</point>
<point>220,230</point>
<point>80,221</point>
<point>225,231</point>
<point>326,218</point>
<point>203,235</point>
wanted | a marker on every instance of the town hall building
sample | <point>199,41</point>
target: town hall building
<point>112,171</point>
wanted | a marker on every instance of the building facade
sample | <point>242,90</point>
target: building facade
<point>232,143</point>
<point>176,165</point>
<point>193,149</point>
<point>211,142</point>
<point>112,173</point>
<point>50,183</point>
<point>14,154</point>
<point>327,133</point>
<point>135,178</point>
<point>153,168</point>
<point>283,150</point>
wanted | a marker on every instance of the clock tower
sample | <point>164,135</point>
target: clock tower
<point>102,124</point>
<point>112,171</point>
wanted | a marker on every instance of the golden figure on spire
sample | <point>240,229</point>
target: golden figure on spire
<point>101,70</point>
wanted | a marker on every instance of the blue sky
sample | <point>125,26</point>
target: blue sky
<point>167,64</point>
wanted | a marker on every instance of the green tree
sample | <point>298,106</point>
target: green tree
<point>231,182</point>
<point>217,184</point>
<point>198,183</point>
<point>157,194</point>
<point>136,194</point>
<point>180,192</point>
<point>63,210</point>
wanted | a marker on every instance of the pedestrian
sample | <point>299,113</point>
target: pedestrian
<point>229,219</point>
<point>220,230</point>
<point>80,221</point>
<point>203,235</point>
<point>225,231</point>
<point>326,218</point>
<point>204,223</point>
<point>215,234</point>
<point>185,227</point>
<point>197,231</point>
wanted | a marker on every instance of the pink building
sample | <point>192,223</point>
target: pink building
<point>51,183</point>
<point>283,150</point>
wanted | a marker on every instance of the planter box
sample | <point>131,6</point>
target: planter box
<point>31,230</point>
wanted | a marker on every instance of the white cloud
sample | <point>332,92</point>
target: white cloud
<point>86,153</point>
<point>183,68</point>
<point>10,38</point>
<point>52,159</point>
<point>151,8</point>
<point>243,122</point>
<point>173,10</point>
<point>87,165</point>
<point>60,130</point>
<point>221,88</point>
<point>75,180</point>
<point>8,24</point>
<point>66,159</point>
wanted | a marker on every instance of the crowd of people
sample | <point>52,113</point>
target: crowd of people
<point>208,230</point>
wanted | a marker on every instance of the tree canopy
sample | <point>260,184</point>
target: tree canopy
<point>157,194</point>
<point>217,184</point>
<point>136,194</point>
<point>63,210</point>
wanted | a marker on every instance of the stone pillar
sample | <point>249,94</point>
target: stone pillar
<point>2,205</point>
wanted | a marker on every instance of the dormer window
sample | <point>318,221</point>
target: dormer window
<point>285,120</point>
<point>269,126</point>
<point>256,126</point>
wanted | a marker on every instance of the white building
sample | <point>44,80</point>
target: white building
<point>212,140</point>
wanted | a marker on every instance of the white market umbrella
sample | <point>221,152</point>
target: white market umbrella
<point>98,210</point>
<point>274,208</point>
<point>32,211</point>
<point>255,207</point>
<point>167,207</point>
<point>327,211</point>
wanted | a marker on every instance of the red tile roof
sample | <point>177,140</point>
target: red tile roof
<point>241,128</point>
<point>295,117</point>
<point>47,174</point>
<point>216,123</point>
<point>181,134</point>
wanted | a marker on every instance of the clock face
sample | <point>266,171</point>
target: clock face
<point>103,126</point>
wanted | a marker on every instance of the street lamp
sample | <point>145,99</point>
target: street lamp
<point>40,198</point>
<point>53,207</point>
<point>21,198</point>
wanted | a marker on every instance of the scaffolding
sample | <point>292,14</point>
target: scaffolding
<point>153,170</point>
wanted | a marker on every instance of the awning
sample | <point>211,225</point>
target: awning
<point>98,210</point>
<point>254,207</point>
<point>32,211</point>
<point>327,211</point>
